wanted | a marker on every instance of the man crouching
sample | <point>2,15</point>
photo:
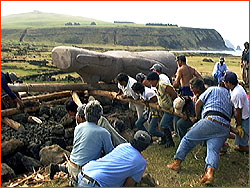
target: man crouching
<point>123,166</point>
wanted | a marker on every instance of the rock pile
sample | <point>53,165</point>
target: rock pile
<point>38,145</point>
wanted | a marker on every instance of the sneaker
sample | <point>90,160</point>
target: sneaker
<point>163,140</point>
<point>169,144</point>
<point>53,170</point>
<point>224,149</point>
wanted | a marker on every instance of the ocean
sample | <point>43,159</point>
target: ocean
<point>234,53</point>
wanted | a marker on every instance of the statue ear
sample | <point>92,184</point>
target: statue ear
<point>94,59</point>
<point>84,59</point>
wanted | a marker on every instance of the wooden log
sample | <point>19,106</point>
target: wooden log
<point>55,87</point>
<point>76,99</point>
<point>113,94</point>
<point>56,101</point>
<point>48,96</point>
<point>12,111</point>
<point>13,124</point>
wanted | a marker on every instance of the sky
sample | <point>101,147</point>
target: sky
<point>229,18</point>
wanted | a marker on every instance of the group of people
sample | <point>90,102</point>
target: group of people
<point>101,157</point>
<point>197,114</point>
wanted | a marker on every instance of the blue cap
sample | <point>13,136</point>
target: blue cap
<point>230,77</point>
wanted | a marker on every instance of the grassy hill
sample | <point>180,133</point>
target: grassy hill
<point>50,28</point>
<point>38,19</point>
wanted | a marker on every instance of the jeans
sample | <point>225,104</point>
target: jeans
<point>139,123</point>
<point>245,140</point>
<point>153,126</point>
<point>166,120</point>
<point>204,130</point>
<point>182,126</point>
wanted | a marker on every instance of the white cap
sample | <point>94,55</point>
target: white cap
<point>178,104</point>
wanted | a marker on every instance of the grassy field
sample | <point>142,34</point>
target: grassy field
<point>206,68</point>
<point>234,167</point>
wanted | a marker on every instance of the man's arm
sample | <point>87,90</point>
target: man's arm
<point>170,90</point>
<point>107,142</point>
<point>129,182</point>
<point>153,99</point>
<point>197,74</point>
<point>177,78</point>
<point>238,116</point>
<point>198,107</point>
<point>6,88</point>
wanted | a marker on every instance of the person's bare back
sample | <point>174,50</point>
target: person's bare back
<point>186,73</point>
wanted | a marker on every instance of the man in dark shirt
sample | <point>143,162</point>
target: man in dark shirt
<point>10,78</point>
<point>245,63</point>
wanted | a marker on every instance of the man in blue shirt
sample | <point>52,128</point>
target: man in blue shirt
<point>215,108</point>
<point>124,166</point>
<point>220,69</point>
<point>90,141</point>
<point>10,78</point>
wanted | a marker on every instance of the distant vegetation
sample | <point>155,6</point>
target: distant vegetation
<point>161,24</point>
<point>70,23</point>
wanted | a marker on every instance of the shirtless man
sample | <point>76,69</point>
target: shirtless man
<point>184,74</point>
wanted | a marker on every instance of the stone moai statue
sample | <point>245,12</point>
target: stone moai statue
<point>95,66</point>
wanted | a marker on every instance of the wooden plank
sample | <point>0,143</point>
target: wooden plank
<point>76,99</point>
<point>48,96</point>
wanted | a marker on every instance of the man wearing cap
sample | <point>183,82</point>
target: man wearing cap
<point>240,101</point>
<point>184,74</point>
<point>165,95</point>
<point>90,141</point>
<point>215,109</point>
<point>220,69</point>
<point>10,78</point>
<point>158,69</point>
<point>123,167</point>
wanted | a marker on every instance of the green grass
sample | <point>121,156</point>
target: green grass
<point>233,168</point>
<point>206,68</point>
<point>37,19</point>
<point>40,20</point>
